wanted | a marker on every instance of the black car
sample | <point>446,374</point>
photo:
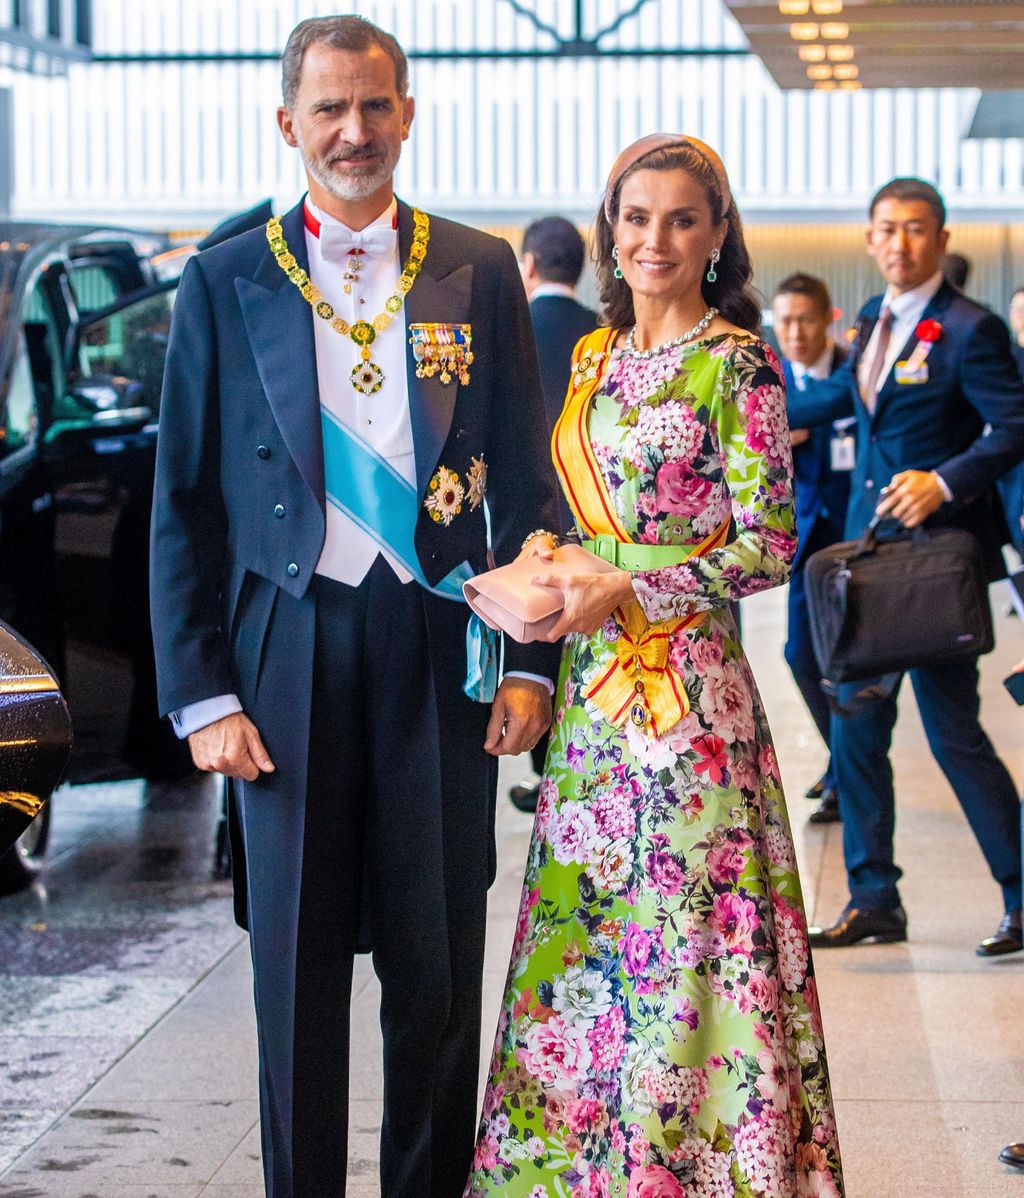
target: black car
<point>35,736</point>
<point>84,319</point>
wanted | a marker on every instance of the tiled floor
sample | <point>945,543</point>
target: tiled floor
<point>127,1051</point>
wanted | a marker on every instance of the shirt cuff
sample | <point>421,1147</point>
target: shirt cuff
<point>193,716</point>
<point>533,678</point>
<point>944,485</point>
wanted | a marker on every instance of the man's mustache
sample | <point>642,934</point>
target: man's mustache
<point>370,149</point>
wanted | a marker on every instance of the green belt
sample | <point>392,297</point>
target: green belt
<point>629,556</point>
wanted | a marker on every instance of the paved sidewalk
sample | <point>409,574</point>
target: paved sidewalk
<point>127,1048</point>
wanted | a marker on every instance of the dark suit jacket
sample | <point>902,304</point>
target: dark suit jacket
<point>558,323</point>
<point>822,494</point>
<point>240,434</point>
<point>936,425</point>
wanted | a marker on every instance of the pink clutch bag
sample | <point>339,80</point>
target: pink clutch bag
<point>506,599</point>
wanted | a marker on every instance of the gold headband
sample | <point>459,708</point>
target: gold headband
<point>664,141</point>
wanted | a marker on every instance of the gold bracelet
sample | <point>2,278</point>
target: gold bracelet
<point>537,532</point>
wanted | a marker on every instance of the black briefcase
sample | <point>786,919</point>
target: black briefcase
<point>881,606</point>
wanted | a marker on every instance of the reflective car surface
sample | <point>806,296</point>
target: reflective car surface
<point>35,739</point>
<point>84,318</point>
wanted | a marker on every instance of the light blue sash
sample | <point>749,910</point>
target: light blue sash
<point>371,492</point>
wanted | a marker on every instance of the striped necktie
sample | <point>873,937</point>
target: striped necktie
<point>869,392</point>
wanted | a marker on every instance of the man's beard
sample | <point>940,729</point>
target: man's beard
<point>353,186</point>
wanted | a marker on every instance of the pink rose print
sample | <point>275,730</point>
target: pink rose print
<point>737,919</point>
<point>725,864</point>
<point>727,703</point>
<point>654,1181</point>
<point>556,1052</point>
<point>665,872</point>
<point>636,948</point>
<point>680,491</point>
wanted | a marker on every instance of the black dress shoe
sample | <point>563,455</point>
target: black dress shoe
<point>1013,1154</point>
<point>1009,938</point>
<point>816,791</point>
<point>884,925</point>
<point>524,798</point>
<point>827,811</point>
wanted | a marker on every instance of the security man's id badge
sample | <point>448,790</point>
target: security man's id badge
<point>843,445</point>
<point>911,372</point>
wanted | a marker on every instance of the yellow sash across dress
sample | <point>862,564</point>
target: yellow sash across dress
<point>639,683</point>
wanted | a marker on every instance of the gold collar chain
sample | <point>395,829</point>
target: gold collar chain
<point>366,376</point>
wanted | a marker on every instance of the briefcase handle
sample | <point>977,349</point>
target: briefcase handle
<point>868,541</point>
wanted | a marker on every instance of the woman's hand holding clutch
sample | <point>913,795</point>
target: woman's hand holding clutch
<point>590,596</point>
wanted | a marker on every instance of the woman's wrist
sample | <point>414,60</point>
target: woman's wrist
<point>539,532</point>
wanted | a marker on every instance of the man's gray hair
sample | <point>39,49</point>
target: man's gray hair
<point>348,32</point>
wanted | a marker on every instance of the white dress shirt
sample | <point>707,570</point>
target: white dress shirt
<point>382,420</point>
<point>907,310</point>
<point>546,289</point>
<point>820,369</point>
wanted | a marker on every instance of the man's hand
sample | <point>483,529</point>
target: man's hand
<point>797,436</point>
<point>520,716</point>
<point>911,497</point>
<point>231,746</point>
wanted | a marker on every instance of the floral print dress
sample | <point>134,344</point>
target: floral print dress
<point>660,1035</point>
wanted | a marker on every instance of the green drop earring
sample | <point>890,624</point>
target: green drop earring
<point>617,272</point>
<point>712,274</point>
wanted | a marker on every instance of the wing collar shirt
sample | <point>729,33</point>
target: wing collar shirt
<point>907,310</point>
<point>382,420</point>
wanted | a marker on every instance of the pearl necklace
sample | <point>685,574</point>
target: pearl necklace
<point>698,328</point>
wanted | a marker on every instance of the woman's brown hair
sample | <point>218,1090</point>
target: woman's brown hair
<point>731,292</point>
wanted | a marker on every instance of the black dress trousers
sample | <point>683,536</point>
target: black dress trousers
<point>390,850</point>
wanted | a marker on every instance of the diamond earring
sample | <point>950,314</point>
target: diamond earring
<point>617,272</point>
<point>712,274</point>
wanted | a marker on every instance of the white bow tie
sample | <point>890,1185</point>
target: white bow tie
<point>338,243</point>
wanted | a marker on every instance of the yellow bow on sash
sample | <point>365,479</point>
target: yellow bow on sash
<point>639,684</point>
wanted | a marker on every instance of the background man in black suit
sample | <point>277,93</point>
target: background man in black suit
<point>307,639</point>
<point>930,369</point>
<point>553,253</point>
<point>822,461</point>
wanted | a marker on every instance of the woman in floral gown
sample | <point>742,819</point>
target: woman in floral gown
<point>660,1035</point>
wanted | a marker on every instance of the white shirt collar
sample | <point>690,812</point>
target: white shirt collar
<point>820,369</point>
<point>545,289</point>
<point>914,301</point>
<point>388,218</point>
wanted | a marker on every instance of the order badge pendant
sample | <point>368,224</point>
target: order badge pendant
<point>367,377</point>
<point>638,712</point>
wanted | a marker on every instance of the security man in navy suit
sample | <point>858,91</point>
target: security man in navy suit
<point>332,422</point>
<point>553,254</point>
<point>940,416</point>
<point>822,461</point>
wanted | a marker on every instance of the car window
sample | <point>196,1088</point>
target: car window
<point>95,287</point>
<point>20,427</point>
<point>130,342</point>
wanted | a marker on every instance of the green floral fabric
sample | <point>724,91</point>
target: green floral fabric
<point>660,1035</point>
